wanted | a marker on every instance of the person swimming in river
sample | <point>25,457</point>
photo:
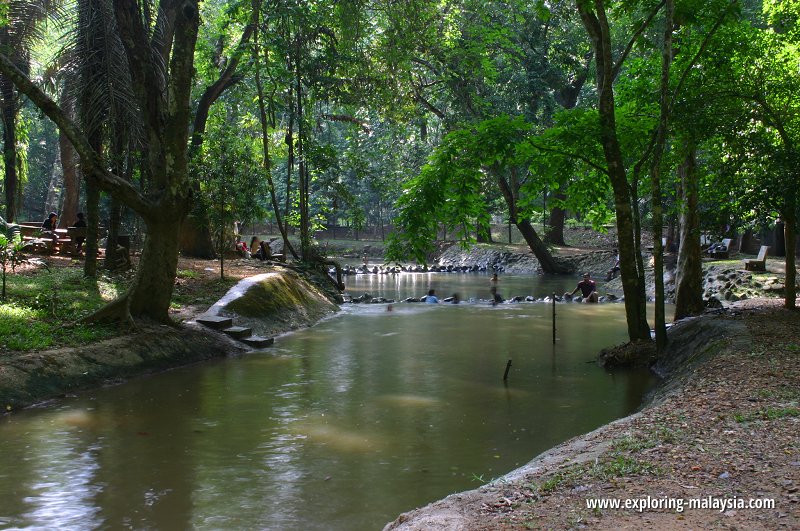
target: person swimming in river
<point>588,289</point>
<point>431,297</point>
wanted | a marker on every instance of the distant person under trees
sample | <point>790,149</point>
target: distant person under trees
<point>79,223</point>
<point>51,222</point>
<point>614,271</point>
<point>264,252</point>
<point>49,227</point>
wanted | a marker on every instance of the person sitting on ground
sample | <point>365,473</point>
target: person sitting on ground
<point>264,252</point>
<point>80,222</point>
<point>253,245</point>
<point>242,249</point>
<point>588,289</point>
<point>431,298</point>
<point>615,268</point>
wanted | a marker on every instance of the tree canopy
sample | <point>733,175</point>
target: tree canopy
<point>417,117</point>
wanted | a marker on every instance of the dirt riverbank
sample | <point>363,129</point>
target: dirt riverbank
<point>724,429</point>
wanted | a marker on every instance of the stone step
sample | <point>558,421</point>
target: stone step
<point>216,322</point>
<point>238,332</point>
<point>258,341</point>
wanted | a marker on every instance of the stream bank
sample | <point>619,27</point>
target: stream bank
<point>281,301</point>
<point>724,425</point>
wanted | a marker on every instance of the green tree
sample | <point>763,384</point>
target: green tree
<point>159,49</point>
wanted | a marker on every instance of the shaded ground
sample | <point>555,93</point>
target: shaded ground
<point>726,428</point>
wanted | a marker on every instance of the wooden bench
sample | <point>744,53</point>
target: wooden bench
<point>760,262</point>
<point>726,243</point>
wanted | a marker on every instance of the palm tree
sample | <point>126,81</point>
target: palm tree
<point>22,28</point>
<point>97,83</point>
<point>158,42</point>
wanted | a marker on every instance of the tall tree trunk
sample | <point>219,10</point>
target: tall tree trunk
<point>11,180</point>
<point>54,191</point>
<point>558,216</point>
<point>790,229</point>
<point>546,260</point>
<point>72,182</point>
<point>689,277</point>
<point>633,282</point>
<point>151,291</point>
<point>289,158</point>
<point>302,165</point>
<point>112,257</point>
<point>267,161</point>
<point>92,223</point>
<point>655,179</point>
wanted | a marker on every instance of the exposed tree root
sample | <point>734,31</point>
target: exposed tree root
<point>115,312</point>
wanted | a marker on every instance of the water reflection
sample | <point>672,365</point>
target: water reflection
<point>338,427</point>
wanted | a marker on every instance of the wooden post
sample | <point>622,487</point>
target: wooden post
<point>554,318</point>
<point>508,366</point>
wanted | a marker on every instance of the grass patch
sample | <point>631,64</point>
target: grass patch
<point>622,466</point>
<point>617,466</point>
<point>188,273</point>
<point>642,441</point>
<point>41,307</point>
<point>784,393</point>
<point>768,413</point>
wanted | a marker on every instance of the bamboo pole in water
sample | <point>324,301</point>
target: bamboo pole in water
<point>554,318</point>
<point>508,366</point>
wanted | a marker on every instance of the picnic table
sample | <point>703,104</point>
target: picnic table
<point>64,242</point>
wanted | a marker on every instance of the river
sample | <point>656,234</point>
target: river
<point>341,426</point>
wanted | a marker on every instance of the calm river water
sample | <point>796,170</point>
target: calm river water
<point>342,426</point>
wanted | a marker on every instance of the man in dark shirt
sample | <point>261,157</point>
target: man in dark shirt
<point>588,289</point>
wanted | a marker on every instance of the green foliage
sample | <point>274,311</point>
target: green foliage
<point>232,183</point>
<point>188,273</point>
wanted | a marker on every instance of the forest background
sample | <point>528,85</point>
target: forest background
<point>422,119</point>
